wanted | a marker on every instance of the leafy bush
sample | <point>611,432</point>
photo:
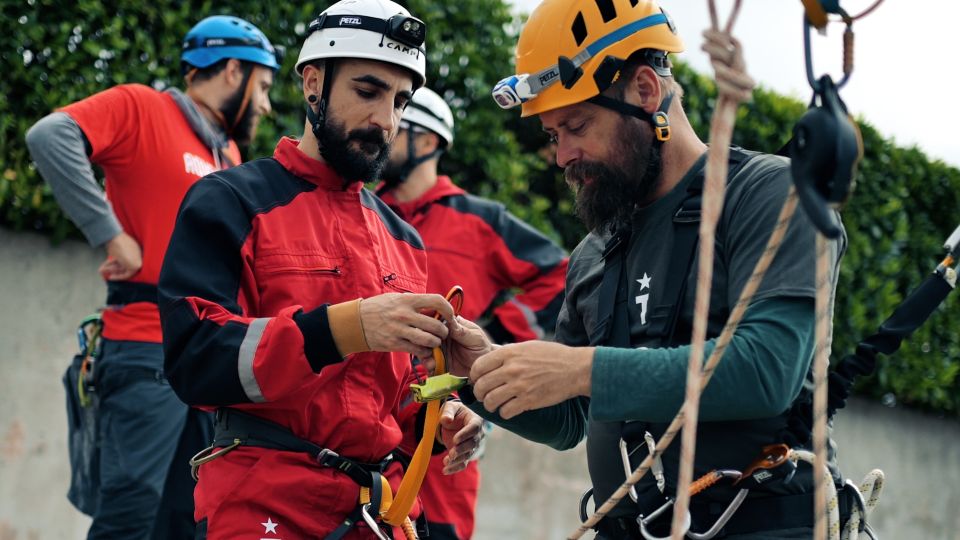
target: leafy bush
<point>54,54</point>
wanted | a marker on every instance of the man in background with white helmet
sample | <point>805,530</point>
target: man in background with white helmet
<point>287,288</point>
<point>152,146</point>
<point>597,74</point>
<point>478,244</point>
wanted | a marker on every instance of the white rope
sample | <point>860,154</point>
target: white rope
<point>832,515</point>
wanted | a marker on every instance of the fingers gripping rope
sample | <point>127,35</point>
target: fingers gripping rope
<point>736,315</point>
<point>734,87</point>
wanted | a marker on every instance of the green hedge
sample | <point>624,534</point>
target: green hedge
<point>56,53</point>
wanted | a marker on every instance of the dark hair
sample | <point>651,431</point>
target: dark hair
<point>211,71</point>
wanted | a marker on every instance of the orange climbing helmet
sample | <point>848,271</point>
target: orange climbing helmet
<point>570,51</point>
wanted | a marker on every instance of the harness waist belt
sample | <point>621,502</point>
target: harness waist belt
<point>127,292</point>
<point>231,425</point>
<point>757,514</point>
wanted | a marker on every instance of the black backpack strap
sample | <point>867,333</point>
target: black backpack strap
<point>686,222</point>
<point>613,328</point>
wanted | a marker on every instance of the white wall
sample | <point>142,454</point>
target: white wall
<point>528,491</point>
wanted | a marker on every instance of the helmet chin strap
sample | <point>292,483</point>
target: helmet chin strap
<point>413,160</point>
<point>659,120</point>
<point>318,119</point>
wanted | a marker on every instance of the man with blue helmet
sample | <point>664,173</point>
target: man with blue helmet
<point>152,146</point>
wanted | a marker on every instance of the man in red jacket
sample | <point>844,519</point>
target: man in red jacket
<point>152,146</point>
<point>285,288</point>
<point>478,244</point>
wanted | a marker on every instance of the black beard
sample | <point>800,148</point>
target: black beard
<point>242,130</point>
<point>611,193</point>
<point>352,164</point>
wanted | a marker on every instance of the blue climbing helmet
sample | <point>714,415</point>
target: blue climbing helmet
<point>221,37</point>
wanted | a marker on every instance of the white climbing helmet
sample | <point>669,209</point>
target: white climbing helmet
<point>368,29</point>
<point>428,110</point>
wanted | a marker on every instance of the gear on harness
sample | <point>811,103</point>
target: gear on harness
<point>773,463</point>
<point>376,501</point>
<point>89,338</point>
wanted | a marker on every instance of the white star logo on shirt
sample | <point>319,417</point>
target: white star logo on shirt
<point>641,300</point>
<point>644,282</point>
<point>269,526</point>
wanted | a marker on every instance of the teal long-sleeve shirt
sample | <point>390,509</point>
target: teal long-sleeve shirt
<point>760,375</point>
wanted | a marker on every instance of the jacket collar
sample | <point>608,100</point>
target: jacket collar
<point>443,188</point>
<point>312,170</point>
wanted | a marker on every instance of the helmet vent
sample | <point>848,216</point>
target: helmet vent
<point>579,29</point>
<point>607,10</point>
<point>633,3</point>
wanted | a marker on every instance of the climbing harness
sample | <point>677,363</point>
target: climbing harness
<point>234,428</point>
<point>773,463</point>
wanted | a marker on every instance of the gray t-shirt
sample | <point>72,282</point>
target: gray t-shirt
<point>752,205</point>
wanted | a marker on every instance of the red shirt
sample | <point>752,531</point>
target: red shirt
<point>150,156</point>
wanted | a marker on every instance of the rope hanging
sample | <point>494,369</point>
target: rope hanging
<point>734,87</point>
<point>821,365</point>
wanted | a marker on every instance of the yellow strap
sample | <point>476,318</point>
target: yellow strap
<point>815,13</point>
<point>417,470</point>
<point>386,497</point>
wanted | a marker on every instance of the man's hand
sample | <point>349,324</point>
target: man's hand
<point>405,323</point>
<point>467,343</point>
<point>461,431</point>
<point>124,258</point>
<point>531,375</point>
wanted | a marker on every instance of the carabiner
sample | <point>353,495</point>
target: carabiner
<point>644,521</point>
<point>847,53</point>
<point>207,455</point>
<point>371,522</point>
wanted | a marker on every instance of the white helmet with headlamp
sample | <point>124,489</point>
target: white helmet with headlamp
<point>368,29</point>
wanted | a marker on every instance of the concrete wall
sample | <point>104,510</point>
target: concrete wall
<point>528,491</point>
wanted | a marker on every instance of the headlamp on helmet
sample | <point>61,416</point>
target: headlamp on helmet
<point>404,29</point>
<point>517,89</point>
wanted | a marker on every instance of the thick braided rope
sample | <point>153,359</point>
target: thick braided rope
<point>725,54</point>
<point>831,503</point>
<point>870,489</point>
<point>736,315</point>
<point>821,367</point>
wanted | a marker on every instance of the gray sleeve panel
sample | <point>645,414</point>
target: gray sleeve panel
<point>57,146</point>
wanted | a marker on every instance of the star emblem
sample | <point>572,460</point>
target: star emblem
<point>269,526</point>
<point>644,282</point>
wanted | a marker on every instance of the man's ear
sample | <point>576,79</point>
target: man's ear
<point>644,90</point>
<point>427,142</point>
<point>312,80</point>
<point>233,73</point>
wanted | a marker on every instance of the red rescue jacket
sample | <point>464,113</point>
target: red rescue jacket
<point>258,253</point>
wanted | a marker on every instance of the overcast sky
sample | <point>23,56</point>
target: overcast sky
<point>905,77</point>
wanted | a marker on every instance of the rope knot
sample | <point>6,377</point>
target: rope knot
<point>726,56</point>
